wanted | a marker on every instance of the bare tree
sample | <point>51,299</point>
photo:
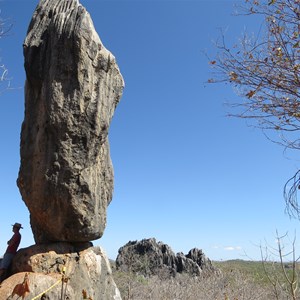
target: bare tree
<point>264,69</point>
<point>5,28</point>
<point>280,265</point>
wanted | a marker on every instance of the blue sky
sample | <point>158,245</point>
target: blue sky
<point>185,173</point>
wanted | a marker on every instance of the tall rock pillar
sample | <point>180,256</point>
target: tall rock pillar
<point>73,86</point>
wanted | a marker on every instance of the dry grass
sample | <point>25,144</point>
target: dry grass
<point>229,285</point>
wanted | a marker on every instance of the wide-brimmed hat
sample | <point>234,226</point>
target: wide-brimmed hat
<point>18,225</point>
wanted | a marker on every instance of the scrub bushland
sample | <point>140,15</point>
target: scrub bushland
<point>275,277</point>
<point>237,280</point>
<point>229,284</point>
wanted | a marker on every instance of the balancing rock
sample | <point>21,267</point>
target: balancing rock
<point>73,86</point>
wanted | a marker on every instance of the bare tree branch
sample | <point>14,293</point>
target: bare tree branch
<point>265,72</point>
<point>5,28</point>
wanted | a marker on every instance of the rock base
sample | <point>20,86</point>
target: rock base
<point>74,271</point>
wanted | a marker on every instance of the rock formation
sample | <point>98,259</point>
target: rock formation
<point>73,85</point>
<point>86,270</point>
<point>62,271</point>
<point>148,257</point>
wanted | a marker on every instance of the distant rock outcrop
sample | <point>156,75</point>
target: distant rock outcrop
<point>73,86</point>
<point>148,257</point>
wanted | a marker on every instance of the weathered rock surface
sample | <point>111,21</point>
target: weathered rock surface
<point>86,272</point>
<point>38,283</point>
<point>73,85</point>
<point>148,257</point>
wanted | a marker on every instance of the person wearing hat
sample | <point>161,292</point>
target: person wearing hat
<point>11,249</point>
